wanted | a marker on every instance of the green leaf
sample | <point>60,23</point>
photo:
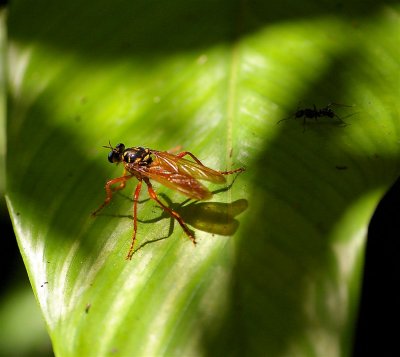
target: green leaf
<point>279,273</point>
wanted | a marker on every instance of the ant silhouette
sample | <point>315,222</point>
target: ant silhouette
<point>315,113</point>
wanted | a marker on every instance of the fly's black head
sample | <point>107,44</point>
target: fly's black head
<point>116,154</point>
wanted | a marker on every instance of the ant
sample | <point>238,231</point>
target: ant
<point>315,113</point>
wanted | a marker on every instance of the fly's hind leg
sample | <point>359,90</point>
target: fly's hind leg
<point>184,153</point>
<point>135,201</point>
<point>171,212</point>
<point>240,169</point>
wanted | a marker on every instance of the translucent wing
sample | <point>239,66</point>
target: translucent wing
<point>180,174</point>
<point>186,185</point>
<point>187,167</point>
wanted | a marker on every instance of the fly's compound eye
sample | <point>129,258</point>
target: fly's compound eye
<point>116,153</point>
<point>113,156</point>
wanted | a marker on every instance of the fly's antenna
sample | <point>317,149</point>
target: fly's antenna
<point>109,146</point>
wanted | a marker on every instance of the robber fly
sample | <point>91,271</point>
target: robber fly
<point>172,171</point>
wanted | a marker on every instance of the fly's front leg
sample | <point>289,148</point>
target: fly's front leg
<point>171,212</point>
<point>135,201</point>
<point>109,190</point>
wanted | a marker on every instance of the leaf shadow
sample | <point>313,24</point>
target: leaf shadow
<point>175,26</point>
<point>286,249</point>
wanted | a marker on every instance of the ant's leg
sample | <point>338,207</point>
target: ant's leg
<point>341,120</point>
<point>122,180</point>
<point>338,105</point>
<point>172,213</point>
<point>304,123</point>
<point>283,119</point>
<point>337,116</point>
<point>135,201</point>
<point>317,113</point>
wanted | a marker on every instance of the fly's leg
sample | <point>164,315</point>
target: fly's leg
<point>240,169</point>
<point>109,190</point>
<point>172,213</point>
<point>175,149</point>
<point>184,153</point>
<point>135,201</point>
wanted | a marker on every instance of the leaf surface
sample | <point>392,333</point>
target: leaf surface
<point>277,267</point>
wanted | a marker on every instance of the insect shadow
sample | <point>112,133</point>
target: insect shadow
<point>211,217</point>
<point>316,113</point>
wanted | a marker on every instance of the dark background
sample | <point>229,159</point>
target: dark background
<point>377,327</point>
